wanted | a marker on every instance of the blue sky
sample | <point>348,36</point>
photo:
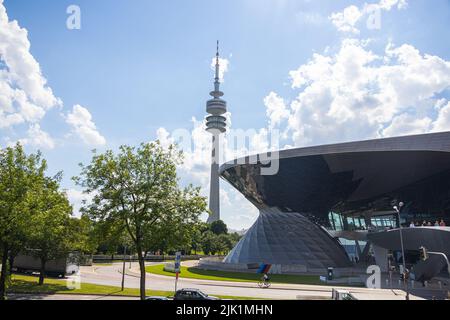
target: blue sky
<point>136,67</point>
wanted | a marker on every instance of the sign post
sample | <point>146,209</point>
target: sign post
<point>177,268</point>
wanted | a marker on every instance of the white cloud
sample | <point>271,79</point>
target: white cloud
<point>25,97</point>
<point>355,94</point>
<point>347,19</point>
<point>24,94</point>
<point>38,138</point>
<point>442,122</point>
<point>275,109</point>
<point>80,119</point>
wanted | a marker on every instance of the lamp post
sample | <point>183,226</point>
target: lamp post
<point>123,267</point>
<point>405,283</point>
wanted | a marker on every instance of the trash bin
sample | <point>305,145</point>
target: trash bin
<point>330,273</point>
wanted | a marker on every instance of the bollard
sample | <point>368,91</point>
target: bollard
<point>440,285</point>
<point>412,283</point>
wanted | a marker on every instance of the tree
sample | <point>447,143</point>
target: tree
<point>83,233</point>
<point>138,189</point>
<point>51,230</point>
<point>19,175</point>
<point>225,243</point>
<point>218,227</point>
<point>109,235</point>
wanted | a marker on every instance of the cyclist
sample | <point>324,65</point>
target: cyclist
<point>265,278</point>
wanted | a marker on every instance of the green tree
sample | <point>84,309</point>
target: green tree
<point>109,235</point>
<point>51,230</point>
<point>225,243</point>
<point>19,175</point>
<point>218,227</point>
<point>138,189</point>
<point>210,243</point>
<point>83,233</point>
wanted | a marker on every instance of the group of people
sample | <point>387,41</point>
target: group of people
<point>427,224</point>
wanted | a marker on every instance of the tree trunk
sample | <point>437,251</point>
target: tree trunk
<point>42,272</point>
<point>142,269</point>
<point>4,271</point>
<point>11,258</point>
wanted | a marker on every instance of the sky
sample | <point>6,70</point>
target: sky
<point>315,72</point>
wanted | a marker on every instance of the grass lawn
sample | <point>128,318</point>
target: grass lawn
<point>195,273</point>
<point>29,284</point>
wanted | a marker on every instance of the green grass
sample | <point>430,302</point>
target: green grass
<point>195,273</point>
<point>29,285</point>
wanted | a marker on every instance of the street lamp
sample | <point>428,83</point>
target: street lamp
<point>405,283</point>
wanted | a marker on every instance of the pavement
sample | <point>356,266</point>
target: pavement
<point>111,275</point>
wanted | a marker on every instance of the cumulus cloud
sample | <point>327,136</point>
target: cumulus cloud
<point>38,138</point>
<point>347,19</point>
<point>25,97</point>
<point>356,93</point>
<point>276,109</point>
<point>442,122</point>
<point>24,94</point>
<point>80,119</point>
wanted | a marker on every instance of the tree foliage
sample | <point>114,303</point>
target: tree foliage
<point>137,189</point>
<point>219,227</point>
<point>19,176</point>
<point>51,233</point>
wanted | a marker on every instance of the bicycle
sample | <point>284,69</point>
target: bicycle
<point>264,284</point>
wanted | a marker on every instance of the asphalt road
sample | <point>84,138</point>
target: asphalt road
<point>111,275</point>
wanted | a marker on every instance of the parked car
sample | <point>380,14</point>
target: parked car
<point>156,298</point>
<point>192,294</point>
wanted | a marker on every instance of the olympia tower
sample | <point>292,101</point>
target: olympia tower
<point>216,125</point>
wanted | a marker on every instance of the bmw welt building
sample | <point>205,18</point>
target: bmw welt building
<point>326,200</point>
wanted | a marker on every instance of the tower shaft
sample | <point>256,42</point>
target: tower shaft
<point>214,188</point>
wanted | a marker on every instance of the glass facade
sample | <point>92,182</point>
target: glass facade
<point>346,187</point>
<point>352,187</point>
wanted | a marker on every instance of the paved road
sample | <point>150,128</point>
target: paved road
<point>111,275</point>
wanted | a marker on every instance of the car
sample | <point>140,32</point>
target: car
<point>154,298</point>
<point>192,294</point>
